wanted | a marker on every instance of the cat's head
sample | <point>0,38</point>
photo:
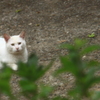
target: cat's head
<point>15,44</point>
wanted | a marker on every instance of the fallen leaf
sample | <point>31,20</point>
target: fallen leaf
<point>91,35</point>
<point>37,24</point>
<point>62,41</point>
<point>19,10</point>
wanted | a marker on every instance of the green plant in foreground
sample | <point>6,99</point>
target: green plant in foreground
<point>30,72</point>
<point>5,75</point>
<point>5,87</point>
<point>83,71</point>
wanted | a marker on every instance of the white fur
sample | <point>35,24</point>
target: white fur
<point>9,54</point>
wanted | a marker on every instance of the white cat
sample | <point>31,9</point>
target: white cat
<point>12,50</point>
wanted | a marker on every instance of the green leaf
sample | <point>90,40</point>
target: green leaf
<point>45,91</point>
<point>79,43</point>
<point>93,63</point>
<point>90,49</point>
<point>27,86</point>
<point>67,66</point>
<point>5,75</point>
<point>19,10</point>
<point>32,71</point>
<point>96,95</point>
<point>92,35</point>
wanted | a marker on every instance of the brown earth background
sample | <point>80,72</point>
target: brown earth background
<point>48,23</point>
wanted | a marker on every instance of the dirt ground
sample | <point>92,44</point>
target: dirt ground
<point>49,23</point>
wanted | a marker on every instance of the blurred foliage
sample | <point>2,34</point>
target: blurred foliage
<point>30,72</point>
<point>83,70</point>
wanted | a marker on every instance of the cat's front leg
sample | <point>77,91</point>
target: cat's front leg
<point>13,66</point>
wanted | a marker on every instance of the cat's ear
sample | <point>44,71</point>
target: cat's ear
<point>6,37</point>
<point>22,34</point>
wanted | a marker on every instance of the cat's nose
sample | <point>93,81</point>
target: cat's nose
<point>17,48</point>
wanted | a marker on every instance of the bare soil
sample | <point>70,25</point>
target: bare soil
<point>48,23</point>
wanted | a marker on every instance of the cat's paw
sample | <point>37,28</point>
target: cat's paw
<point>15,67</point>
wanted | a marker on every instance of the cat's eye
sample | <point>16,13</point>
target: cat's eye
<point>19,43</point>
<point>12,44</point>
